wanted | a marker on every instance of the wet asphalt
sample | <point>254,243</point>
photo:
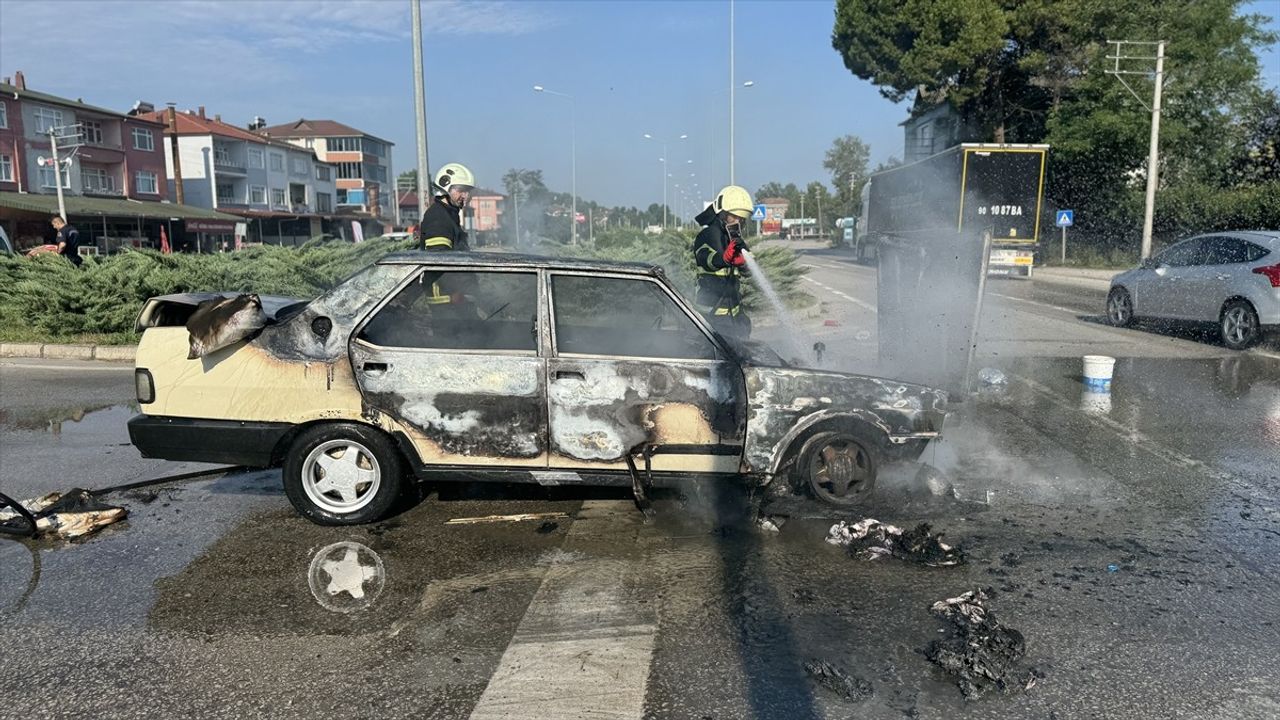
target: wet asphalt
<point>1131,538</point>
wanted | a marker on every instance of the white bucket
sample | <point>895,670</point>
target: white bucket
<point>1097,371</point>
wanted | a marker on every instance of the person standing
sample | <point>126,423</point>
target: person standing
<point>68,240</point>
<point>718,255</point>
<point>441,227</point>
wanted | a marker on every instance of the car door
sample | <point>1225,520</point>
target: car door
<point>630,369</point>
<point>1208,284</point>
<point>460,370</point>
<point>1162,293</point>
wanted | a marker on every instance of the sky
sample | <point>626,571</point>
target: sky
<point>657,67</point>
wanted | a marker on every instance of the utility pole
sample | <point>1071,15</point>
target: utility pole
<point>57,172</point>
<point>515,197</point>
<point>1153,152</point>
<point>420,99</point>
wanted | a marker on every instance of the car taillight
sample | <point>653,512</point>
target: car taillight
<point>144,385</point>
<point>1272,272</point>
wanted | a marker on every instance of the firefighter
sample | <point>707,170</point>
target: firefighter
<point>718,254</point>
<point>441,227</point>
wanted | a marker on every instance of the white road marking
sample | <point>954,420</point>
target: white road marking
<point>1036,302</point>
<point>842,295</point>
<point>585,644</point>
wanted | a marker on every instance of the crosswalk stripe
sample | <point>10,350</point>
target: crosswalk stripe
<point>585,644</point>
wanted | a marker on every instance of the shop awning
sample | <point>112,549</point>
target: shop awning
<point>79,205</point>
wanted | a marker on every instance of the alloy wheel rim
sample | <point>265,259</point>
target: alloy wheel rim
<point>841,469</point>
<point>1237,325</point>
<point>341,476</point>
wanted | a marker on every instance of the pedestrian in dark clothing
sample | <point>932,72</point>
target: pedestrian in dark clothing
<point>68,240</point>
<point>717,252</point>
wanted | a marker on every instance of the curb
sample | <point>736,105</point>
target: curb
<point>55,351</point>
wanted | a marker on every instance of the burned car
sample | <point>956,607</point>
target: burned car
<point>504,367</point>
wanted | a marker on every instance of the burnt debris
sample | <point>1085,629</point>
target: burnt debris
<point>222,322</point>
<point>871,539</point>
<point>836,680</point>
<point>978,651</point>
<point>68,515</point>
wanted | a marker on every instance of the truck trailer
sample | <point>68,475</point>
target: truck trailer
<point>971,189</point>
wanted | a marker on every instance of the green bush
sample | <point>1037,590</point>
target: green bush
<point>45,298</point>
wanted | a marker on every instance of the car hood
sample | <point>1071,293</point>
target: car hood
<point>783,401</point>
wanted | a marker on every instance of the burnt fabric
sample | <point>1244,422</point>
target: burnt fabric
<point>978,652</point>
<point>871,539</point>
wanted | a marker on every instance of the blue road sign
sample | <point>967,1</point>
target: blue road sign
<point>759,213</point>
<point>1066,218</point>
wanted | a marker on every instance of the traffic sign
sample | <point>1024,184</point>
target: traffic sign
<point>759,212</point>
<point>1066,218</point>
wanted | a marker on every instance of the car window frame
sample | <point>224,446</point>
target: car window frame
<point>540,292</point>
<point>1201,239</point>
<point>722,353</point>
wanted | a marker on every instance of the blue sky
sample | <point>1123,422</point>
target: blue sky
<point>658,67</point>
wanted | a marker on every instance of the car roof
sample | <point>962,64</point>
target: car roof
<point>1265,235</point>
<point>502,259</point>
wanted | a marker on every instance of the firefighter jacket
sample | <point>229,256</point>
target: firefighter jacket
<point>719,291</point>
<point>441,231</point>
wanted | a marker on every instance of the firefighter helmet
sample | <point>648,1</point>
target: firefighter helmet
<point>454,174</point>
<point>735,200</point>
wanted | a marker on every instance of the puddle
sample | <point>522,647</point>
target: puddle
<point>74,420</point>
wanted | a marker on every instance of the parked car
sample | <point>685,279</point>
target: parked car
<point>1230,279</point>
<point>519,368</point>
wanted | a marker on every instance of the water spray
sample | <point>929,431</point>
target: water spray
<point>796,347</point>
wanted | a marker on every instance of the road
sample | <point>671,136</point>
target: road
<point>1131,538</point>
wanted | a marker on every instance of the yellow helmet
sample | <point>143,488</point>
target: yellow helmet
<point>454,174</point>
<point>735,199</point>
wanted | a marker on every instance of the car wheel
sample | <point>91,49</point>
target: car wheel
<point>838,467</point>
<point>343,474</point>
<point>1239,325</point>
<point>1120,307</point>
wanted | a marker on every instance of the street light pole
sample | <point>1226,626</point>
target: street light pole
<point>732,95</point>
<point>420,99</point>
<point>57,173</point>
<point>665,174</point>
<point>573,154</point>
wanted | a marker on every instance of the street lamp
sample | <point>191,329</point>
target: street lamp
<point>573,151</point>
<point>665,175</point>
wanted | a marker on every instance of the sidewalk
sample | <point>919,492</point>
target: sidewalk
<point>55,351</point>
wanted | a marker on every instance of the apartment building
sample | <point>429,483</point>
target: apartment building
<point>229,168</point>
<point>363,175</point>
<point>108,154</point>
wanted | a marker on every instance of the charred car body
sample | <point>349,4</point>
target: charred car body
<point>528,369</point>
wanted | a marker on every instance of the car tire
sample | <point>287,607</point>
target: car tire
<point>838,468</point>
<point>1119,307</point>
<point>343,474</point>
<point>1238,325</point>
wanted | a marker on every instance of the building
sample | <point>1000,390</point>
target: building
<point>775,211</point>
<point>113,175</point>
<point>410,207</point>
<point>364,177</point>
<point>933,127</point>
<point>484,213</point>
<point>109,153</point>
<point>284,192</point>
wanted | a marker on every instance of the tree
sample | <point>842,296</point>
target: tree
<point>1033,71</point>
<point>847,162</point>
